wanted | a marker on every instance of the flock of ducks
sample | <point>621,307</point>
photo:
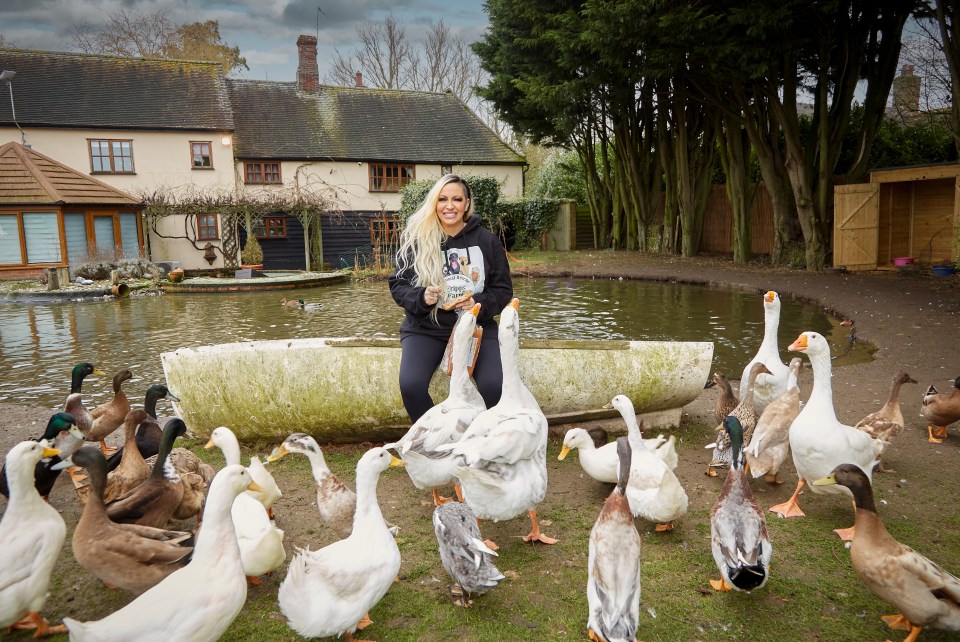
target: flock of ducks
<point>191,585</point>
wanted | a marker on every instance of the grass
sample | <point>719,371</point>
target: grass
<point>813,593</point>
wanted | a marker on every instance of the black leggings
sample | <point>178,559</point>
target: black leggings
<point>419,360</point>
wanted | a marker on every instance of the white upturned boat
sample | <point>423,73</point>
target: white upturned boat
<point>346,390</point>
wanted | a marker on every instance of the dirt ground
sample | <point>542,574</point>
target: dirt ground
<point>910,318</point>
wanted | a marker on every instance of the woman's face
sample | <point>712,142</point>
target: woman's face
<point>451,207</point>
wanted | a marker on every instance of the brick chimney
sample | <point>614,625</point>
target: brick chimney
<point>308,74</point>
<point>906,91</point>
<point>358,79</point>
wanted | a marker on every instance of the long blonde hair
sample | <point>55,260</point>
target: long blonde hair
<point>422,236</point>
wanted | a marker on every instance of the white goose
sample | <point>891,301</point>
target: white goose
<point>197,602</point>
<point>328,591</point>
<point>768,386</point>
<point>224,439</point>
<point>603,463</point>
<point>446,422</point>
<point>504,451</point>
<point>818,441</point>
<point>32,533</point>
<point>653,490</point>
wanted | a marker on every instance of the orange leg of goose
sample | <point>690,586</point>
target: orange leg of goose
<point>791,507</point>
<point>535,535</point>
<point>720,585</point>
<point>459,491</point>
<point>492,545</point>
<point>107,450</point>
<point>930,435</point>
<point>254,581</point>
<point>364,622</point>
<point>897,622</point>
<point>710,472</point>
<point>663,528</point>
<point>34,620</point>
<point>439,499</point>
<point>773,479</point>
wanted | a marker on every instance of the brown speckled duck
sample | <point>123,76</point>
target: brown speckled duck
<point>746,414</point>
<point>887,423</point>
<point>940,409</point>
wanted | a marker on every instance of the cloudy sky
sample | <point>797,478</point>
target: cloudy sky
<point>265,30</point>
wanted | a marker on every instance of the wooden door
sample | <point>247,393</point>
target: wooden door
<point>856,222</point>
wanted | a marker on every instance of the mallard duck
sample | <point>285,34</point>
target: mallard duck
<point>335,501</point>
<point>613,564</point>
<point>465,557</point>
<point>127,556</point>
<point>224,439</point>
<point>653,490</point>
<point>940,409</point>
<point>746,414</point>
<point>446,422</point>
<point>727,401</point>
<point>74,401</point>
<point>149,432</point>
<point>738,530</point>
<point>768,386</point>
<point>771,442</point>
<point>133,469</point>
<point>109,416</point>
<point>32,533</point>
<point>154,501</point>
<point>309,307</point>
<point>44,475</point>
<point>925,594</point>
<point>887,423</point>
<point>328,591</point>
<point>261,542</point>
<point>602,463</point>
<point>199,601</point>
<point>818,441</point>
<point>504,451</point>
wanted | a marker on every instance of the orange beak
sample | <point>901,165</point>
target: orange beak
<point>475,310</point>
<point>800,345</point>
<point>769,296</point>
<point>515,303</point>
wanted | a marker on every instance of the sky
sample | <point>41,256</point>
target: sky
<point>265,30</point>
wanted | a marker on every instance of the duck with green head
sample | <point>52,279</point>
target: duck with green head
<point>44,474</point>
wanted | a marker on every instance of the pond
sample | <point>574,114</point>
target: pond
<point>41,342</point>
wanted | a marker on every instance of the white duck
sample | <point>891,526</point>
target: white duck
<point>32,533</point>
<point>328,591</point>
<point>224,439</point>
<point>654,492</point>
<point>603,463</point>
<point>446,422</point>
<point>197,602</point>
<point>504,451</point>
<point>768,386</point>
<point>613,564</point>
<point>771,441</point>
<point>818,441</point>
<point>260,541</point>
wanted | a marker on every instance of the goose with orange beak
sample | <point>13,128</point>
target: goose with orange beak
<point>818,440</point>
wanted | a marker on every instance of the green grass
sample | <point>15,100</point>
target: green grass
<point>813,593</point>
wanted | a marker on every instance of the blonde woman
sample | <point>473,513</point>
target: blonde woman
<point>433,294</point>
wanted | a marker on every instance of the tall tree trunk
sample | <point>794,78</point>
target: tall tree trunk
<point>735,156</point>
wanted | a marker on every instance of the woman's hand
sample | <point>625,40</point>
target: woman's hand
<point>466,305</point>
<point>432,294</point>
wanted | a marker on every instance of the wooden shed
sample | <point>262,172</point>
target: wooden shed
<point>903,212</point>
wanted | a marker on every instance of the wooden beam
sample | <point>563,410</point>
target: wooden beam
<point>914,173</point>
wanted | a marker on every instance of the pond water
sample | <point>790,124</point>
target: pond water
<point>41,342</point>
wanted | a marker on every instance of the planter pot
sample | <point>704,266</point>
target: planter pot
<point>903,261</point>
<point>251,266</point>
<point>943,270</point>
<point>175,275</point>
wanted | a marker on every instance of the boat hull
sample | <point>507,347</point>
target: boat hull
<point>346,390</point>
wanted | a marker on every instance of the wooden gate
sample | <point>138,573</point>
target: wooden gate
<point>856,222</point>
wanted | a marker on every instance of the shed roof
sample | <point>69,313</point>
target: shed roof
<point>55,89</point>
<point>914,173</point>
<point>28,177</point>
<point>276,120</point>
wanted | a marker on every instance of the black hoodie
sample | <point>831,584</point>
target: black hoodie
<point>474,260</point>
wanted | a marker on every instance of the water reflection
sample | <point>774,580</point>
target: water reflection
<point>41,342</point>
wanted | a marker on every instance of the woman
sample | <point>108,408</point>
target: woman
<point>433,298</point>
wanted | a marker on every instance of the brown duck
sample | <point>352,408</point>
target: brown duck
<point>940,409</point>
<point>887,423</point>
<point>746,414</point>
<point>132,469</point>
<point>109,416</point>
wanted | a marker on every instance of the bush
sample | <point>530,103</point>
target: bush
<point>99,269</point>
<point>252,253</point>
<point>484,192</point>
<point>528,219</point>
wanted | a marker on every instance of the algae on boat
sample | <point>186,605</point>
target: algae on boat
<point>346,390</point>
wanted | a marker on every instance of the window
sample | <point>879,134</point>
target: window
<point>384,231</point>
<point>446,169</point>
<point>207,227</point>
<point>261,173</point>
<point>389,178</point>
<point>201,156</point>
<point>271,227</point>
<point>111,156</point>
<point>10,239</point>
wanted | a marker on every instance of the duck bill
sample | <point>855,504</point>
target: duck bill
<point>829,480</point>
<point>99,372</point>
<point>515,303</point>
<point>608,406</point>
<point>769,296</point>
<point>800,345</point>
<point>475,310</point>
<point>255,487</point>
<point>209,444</point>
<point>278,453</point>
<point>563,452</point>
<point>396,461</point>
<point>66,463</point>
<point>172,397</point>
<point>50,452</point>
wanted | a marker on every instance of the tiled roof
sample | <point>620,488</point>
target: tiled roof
<point>78,90</point>
<point>30,178</point>
<point>275,120</point>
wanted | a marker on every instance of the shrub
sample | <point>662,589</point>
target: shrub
<point>252,253</point>
<point>528,219</point>
<point>484,192</point>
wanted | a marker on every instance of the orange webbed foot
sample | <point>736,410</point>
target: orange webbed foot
<point>896,622</point>
<point>720,585</point>
<point>664,528</point>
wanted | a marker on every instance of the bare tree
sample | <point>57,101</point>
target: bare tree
<point>154,35</point>
<point>383,56</point>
